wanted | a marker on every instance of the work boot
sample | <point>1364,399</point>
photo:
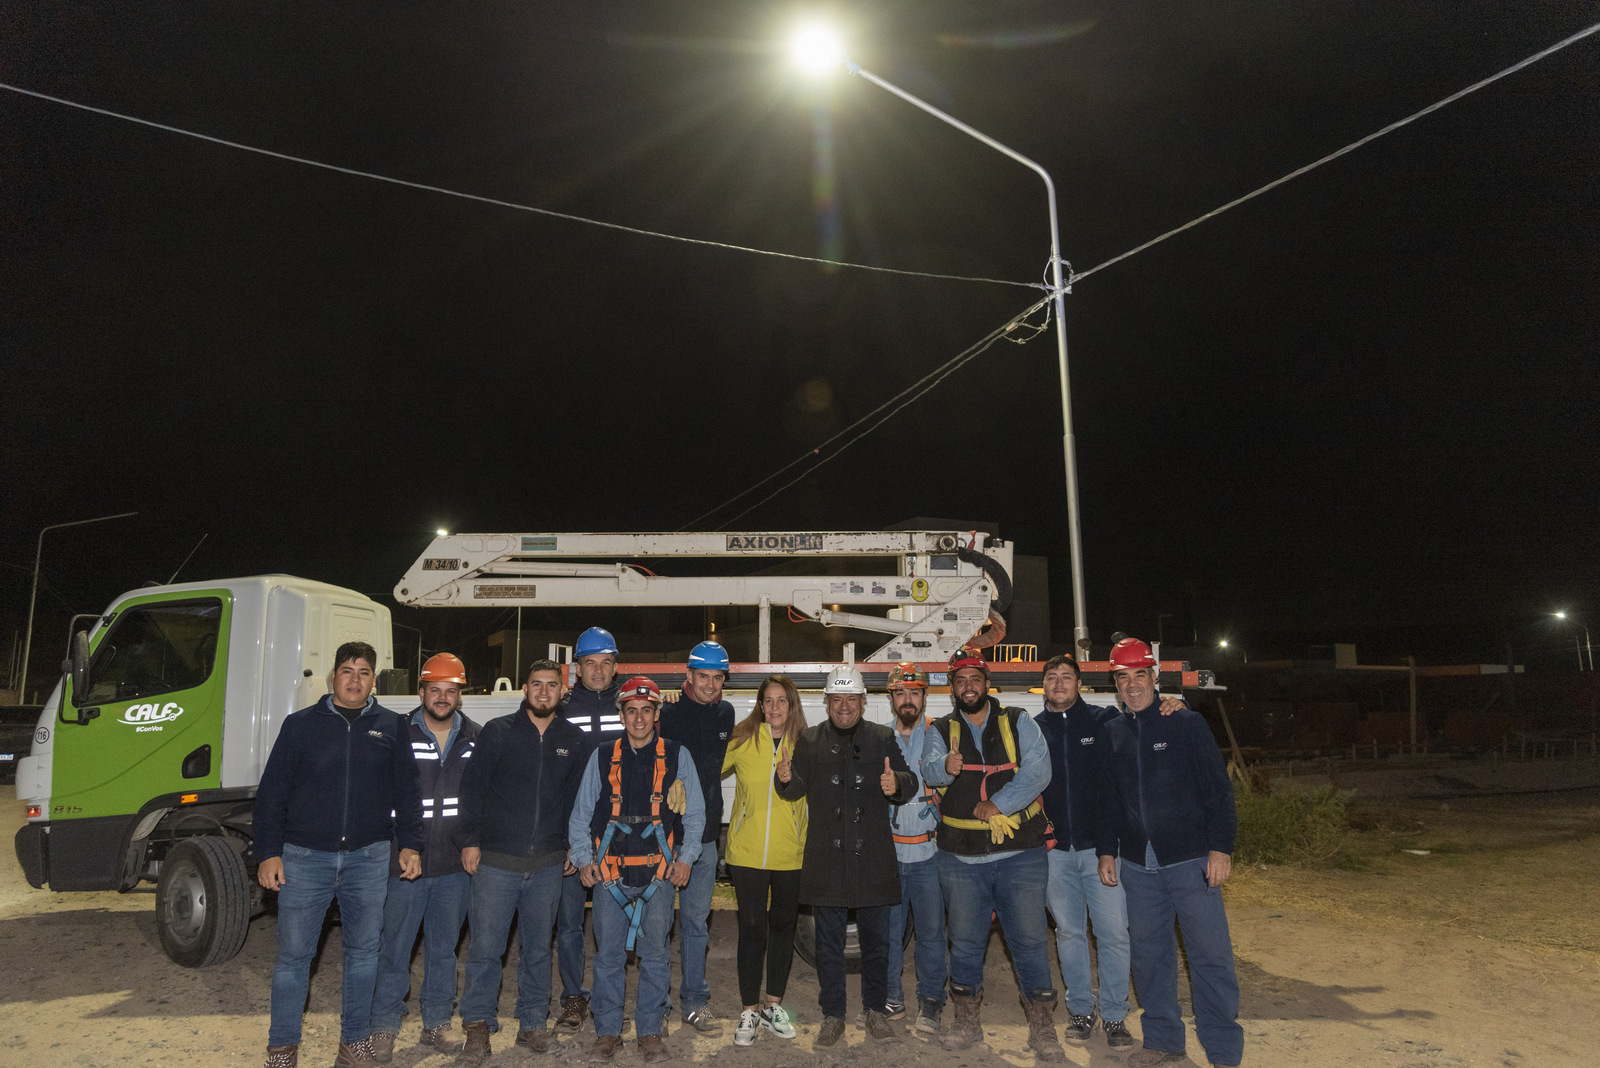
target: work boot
<point>703,1020</point>
<point>355,1055</point>
<point>605,1047</point>
<point>832,1030</point>
<point>573,1010</point>
<point>966,1028</point>
<point>879,1029</point>
<point>1042,1027</point>
<point>441,1038</point>
<point>382,1046</point>
<point>283,1056</point>
<point>1078,1028</point>
<point>1116,1033</point>
<point>538,1041</point>
<point>928,1013</point>
<point>476,1050</point>
<point>653,1049</point>
<point>1148,1057</point>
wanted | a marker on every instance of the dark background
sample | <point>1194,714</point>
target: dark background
<point>1360,408</point>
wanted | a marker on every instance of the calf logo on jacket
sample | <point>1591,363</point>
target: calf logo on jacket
<point>561,752</point>
<point>1159,746</point>
<point>1086,741</point>
<point>376,734</point>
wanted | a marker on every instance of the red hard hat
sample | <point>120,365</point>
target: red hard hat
<point>444,667</point>
<point>1131,653</point>
<point>637,687</point>
<point>968,657</point>
<point>907,676</point>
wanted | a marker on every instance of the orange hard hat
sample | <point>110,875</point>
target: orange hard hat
<point>444,667</point>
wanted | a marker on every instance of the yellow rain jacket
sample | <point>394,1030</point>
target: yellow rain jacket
<point>764,830</point>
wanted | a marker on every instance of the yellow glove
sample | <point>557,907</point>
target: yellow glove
<point>1002,827</point>
<point>677,800</point>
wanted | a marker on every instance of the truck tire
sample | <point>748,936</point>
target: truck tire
<point>805,939</point>
<point>202,902</point>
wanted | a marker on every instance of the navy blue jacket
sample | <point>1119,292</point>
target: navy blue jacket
<point>703,730</point>
<point>1072,799</point>
<point>332,784</point>
<point>518,789</point>
<point>1162,781</point>
<point>441,794</point>
<point>594,713</point>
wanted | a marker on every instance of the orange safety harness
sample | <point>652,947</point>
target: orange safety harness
<point>611,866</point>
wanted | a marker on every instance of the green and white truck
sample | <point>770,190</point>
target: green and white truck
<point>147,754</point>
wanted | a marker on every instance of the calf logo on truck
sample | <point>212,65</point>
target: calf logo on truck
<point>150,717</point>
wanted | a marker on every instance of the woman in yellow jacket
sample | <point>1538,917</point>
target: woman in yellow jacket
<point>766,842</point>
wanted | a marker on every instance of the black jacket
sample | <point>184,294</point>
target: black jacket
<point>703,730</point>
<point>330,783</point>
<point>594,713</point>
<point>518,789</point>
<point>1162,781</point>
<point>850,861</point>
<point>441,796</point>
<point>1073,796</point>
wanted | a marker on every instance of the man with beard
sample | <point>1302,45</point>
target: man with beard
<point>442,740</point>
<point>992,764</point>
<point>701,721</point>
<point>851,773</point>
<point>591,706</point>
<point>516,799</point>
<point>914,826</point>
<point>1166,810</point>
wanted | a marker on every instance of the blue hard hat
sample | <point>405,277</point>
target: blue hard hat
<point>593,642</point>
<point>708,656</point>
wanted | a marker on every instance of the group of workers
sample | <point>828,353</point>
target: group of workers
<point>1120,818</point>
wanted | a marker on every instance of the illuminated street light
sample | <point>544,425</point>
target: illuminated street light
<point>1223,643</point>
<point>818,50</point>
<point>1581,648</point>
<point>443,533</point>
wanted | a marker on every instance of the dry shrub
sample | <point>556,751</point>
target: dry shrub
<point>1305,827</point>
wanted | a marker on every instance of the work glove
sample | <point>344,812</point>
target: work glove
<point>1002,827</point>
<point>677,799</point>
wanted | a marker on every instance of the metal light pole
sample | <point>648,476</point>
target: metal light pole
<point>1580,646</point>
<point>826,52</point>
<point>27,641</point>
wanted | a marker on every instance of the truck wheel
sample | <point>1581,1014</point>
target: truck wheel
<point>202,902</point>
<point>805,940</point>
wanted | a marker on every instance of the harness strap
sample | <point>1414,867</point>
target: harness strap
<point>1009,740</point>
<point>611,866</point>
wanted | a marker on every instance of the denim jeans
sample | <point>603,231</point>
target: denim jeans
<point>872,930</point>
<point>439,907</point>
<point>1013,888</point>
<point>611,960</point>
<point>1155,897</point>
<point>534,897</point>
<point>921,897</point>
<point>1076,897</point>
<point>312,878</point>
<point>569,937</point>
<point>694,914</point>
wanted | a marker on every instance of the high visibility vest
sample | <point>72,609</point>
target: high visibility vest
<point>959,831</point>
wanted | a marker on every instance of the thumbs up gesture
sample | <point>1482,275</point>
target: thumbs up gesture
<point>887,780</point>
<point>953,762</point>
<point>785,771</point>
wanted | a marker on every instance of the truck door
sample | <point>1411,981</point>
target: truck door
<point>152,726</point>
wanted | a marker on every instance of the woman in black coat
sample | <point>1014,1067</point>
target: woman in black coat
<point>851,774</point>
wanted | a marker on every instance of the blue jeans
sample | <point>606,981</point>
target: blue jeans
<point>919,895</point>
<point>1155,898</point>
<point>1013,888</point>
<point>533,897</point>
<point>872,931</point>
<point>1075,897</point>
<point>439,907</point>
<point>611,960</point>
<point>694,913</point>
<point>312,878</point>
<point>569,937</point>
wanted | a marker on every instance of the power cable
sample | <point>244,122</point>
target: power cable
<point>303,161</point>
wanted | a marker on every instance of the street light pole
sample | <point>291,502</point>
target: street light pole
<point>1080,629</point>
<point>38,550</point>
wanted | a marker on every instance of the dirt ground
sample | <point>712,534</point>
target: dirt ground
<point>1483,950</point>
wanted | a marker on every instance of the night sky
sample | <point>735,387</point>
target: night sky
<point>1361,407</point>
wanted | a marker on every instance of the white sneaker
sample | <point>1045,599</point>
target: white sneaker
<point>776,1019</point>
<point>749,1023</point>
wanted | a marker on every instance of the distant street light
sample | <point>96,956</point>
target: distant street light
<point>1585,646</point>
<point>817,49</point>
<point>27,640</point>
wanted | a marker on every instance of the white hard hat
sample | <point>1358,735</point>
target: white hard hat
<point>844,679</point>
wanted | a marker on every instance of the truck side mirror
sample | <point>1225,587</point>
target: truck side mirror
<point>78,665</point>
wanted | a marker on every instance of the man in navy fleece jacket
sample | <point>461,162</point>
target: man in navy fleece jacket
<point>322,827</point>
<point>1166,809</point>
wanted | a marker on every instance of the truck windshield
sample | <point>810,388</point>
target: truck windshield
<point>155,649</point>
